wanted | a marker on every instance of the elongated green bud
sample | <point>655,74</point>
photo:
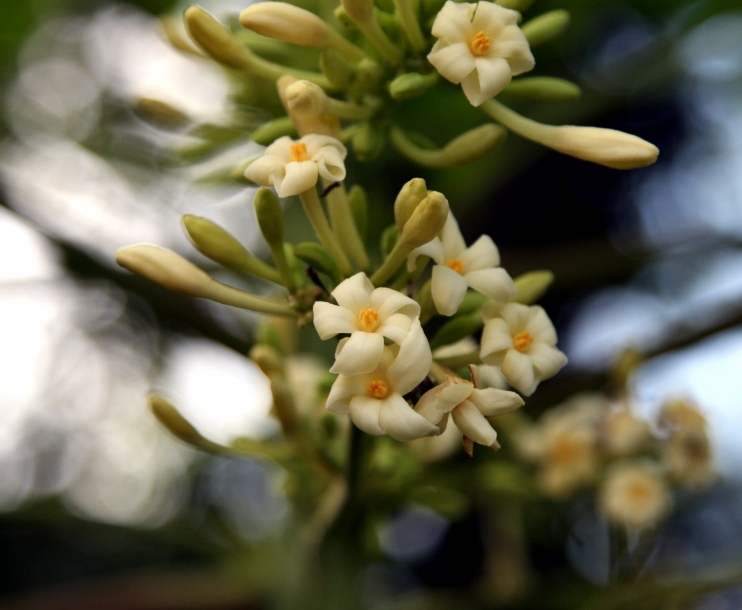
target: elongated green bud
<point>283,21</point>
<point>215,39</point>
<point>472,302</point>
<point>268,359</point>
<point>457,328</point>
<point>533,285</point>
<point>222,247</point>
<point>176,273</point>
<point>316,256</point>
<point>358,204</point>
<point>409,197</point>
<point>426,221</point>
<point>516,5</point>
<point>368,74</point>
<point>469,146</point>
<point>270,220</point>
<point>161,112</point>
<point>544,89</point>
<point>368,141</point>
<point>269,132</point>
<point>176,424</point>
<point>389,239</point>
<point>411,85</point>
<point>338,70</point>
<point>359,11</point>
<point>546,27</point>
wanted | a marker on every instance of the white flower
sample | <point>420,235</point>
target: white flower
<point>634,495</point>
<point>481,47</point>
<point>375,400</point>
<point>521,340</point>
<point>459,268</point>
<point>625,434</point>
<point>469,407</point>
<point>369,314</point>
<point>293,167</point>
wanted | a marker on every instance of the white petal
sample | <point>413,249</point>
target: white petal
<point>491,76</point>
<point>433,249</point>
<point>448,289</point>
<point>395,327</point>
<point>517,316</point>
<point>342,391</point>
<point>300,176</point>
<point>496,340</point>
<point>453,22</point>
<point>546,360</point>
<point>454,62</point>
<point>330,164</point>
<point>400,421</point>
<point>330,320</point>
<point>354,293</point>
<point>453,395</point>
<point>540,326</point>
<point>494,283</point>
<point>318,144</point>
<point>364,411</point>
<point>492,402</point>
<point>512,45</point>
<point>485,376</point>
<point>491,18</point>
<point>472,423</point>
<point>360,354</point>
<point>281,148</point>
<point>412,362</point>
<point>518,370</point>
<point>386,301</point>
<point>482,254</point>
<point>261,170</point>
<point>453,242</point>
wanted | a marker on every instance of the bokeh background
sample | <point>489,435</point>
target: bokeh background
<point>101,508</point>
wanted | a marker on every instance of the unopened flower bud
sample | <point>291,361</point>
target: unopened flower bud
<point>516,5</point>
<point>409,197</point>
<point>268,359</point>
<point>304,97</point>
<point>411,85</point>
<point>368,141</point>
<point>336,68</point>
<point>607,147</point>
<point>546,27</point>
<point>469,146</point>
<point>427,221</point>
<point>359,11</point>
<point>171,418</point>
<point>531,286</point>
<point>270,217</point>
<point>269,132</point>
<point>215,39</point>
<point>358,204</point>
<point>161,112</point>
<point>544,89</point>
<point>457,328</point>
<point>317,257</point>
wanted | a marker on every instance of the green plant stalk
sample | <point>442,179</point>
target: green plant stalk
<point>318,219</point>
<point>345,227</point>
<point>410,24</point>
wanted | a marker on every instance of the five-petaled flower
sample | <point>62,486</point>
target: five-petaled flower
<point>293,167</point>
<point>369,314</point>
<point>375,400</point>
<point>480,46</point>
<point>459,267</point>
<point>521,341</point>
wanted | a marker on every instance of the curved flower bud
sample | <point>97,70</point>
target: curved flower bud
<point>293,167</point>
<point>480,46</point>
<point>521,340</point>
<point>370,315</point>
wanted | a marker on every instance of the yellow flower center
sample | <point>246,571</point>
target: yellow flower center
<point>378,389</point>
<point>565,451</point>
<point>639,492</point>
<point>368,320</point>
<point>456,265</point>
<point>299,152</point>
<point>521,341</point>
<point>479,44</point>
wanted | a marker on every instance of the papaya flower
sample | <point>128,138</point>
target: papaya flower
<point>634,495</point>
<point>480,46</point>
<point>459,268</point>
<point>369,315</point>
<point>293,167</point>
<point>375,400</point>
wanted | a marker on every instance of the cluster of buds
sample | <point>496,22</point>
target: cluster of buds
<point>589,443</point>
<point>371,57</point>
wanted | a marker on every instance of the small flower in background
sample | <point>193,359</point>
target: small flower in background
<point>458,268</point>
<point>375,400</point>
<point>469,406</point>
<point>293,167</point>
<point>687,452</point>
<point>521,340</point>
<point>370,315</point>
<point>634,495</point>
<point>624,433</point>
<point>480,46</point>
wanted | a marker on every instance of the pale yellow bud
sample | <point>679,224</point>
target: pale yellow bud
<point>359,11</point>
<point>409,197</point>
<point>607,147</point>
<point>531,286</point>
<point>171,418</point>
<point>215,39</point>
<point>304,97</point>
<point>427,221</point>
<point>165,268</point>
<point>546,27</point>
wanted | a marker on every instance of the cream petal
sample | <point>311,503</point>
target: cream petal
<point>400,421</point>
<point>453,22</point>
<point>281,148</point>
<point>342,391</point>
<point>494,75</point>
<point>360,354</point>
<point>513,46</point>
<point>518,370</point>
<point>494,283</point>
<point>330,164</point>
<point>472,423</point>
<point>318,144</point>
<point>496,339</point>
<point>300,176</point>
<point>454,246</point>
<point>433,249</point>
<point>454,62</point>
<point>492,402</point>
<point>262,170</point>
<point>386,301</point>
<point>395,327</point>
<point>451,396</point>
<point>482,254</point>
<point>517,316</point>
<point>354,293</point>
<point>330,320</point>
<point>546,360</point>
<point>448,289</point>
<point>540,326</point>
<point>364,411</point>
<point>442,399</point>
<point>485,376</point>
<point>491,18</point>
<point>413,361</point>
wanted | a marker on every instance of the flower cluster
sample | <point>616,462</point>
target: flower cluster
<point>591,443</point>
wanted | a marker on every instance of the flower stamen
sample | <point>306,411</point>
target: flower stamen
<point>456,265</point>
<point>378,389</point>
<point>521,341</point>
<point>368,320</point>
<point>479,44</point>
<point>298,152</point>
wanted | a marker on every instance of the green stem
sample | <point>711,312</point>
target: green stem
<point>345,227</point>
<point>527,128</point>
<point>396,258</point>
<point>315,213</point>
<point>376,36</point>
<point>407,16</point>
